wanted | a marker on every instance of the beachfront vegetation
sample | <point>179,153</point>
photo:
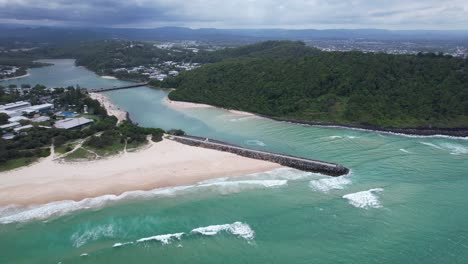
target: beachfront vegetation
<point>289,80</point>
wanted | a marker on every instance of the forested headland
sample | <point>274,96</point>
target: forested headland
<point>291,81</point>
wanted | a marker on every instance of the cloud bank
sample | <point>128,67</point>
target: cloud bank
<point>395,14</point>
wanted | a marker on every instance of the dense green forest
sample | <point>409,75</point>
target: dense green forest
<point>289,80</point>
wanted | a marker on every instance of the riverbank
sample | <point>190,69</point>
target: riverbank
<point>16,77</point>
<point>163,164</point>
<point>189,105</point>
<point>111,108</point>
<point>425,132</point>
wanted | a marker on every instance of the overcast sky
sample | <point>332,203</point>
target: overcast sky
<point>320,14</point>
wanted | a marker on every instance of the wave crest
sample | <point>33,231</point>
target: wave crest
<point>365,199</point>
<point>237,228</point>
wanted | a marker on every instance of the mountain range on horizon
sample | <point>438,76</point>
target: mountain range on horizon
<point>61,34</point>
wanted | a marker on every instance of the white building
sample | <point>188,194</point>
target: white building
<point>18,129</point>
<point>15,106</point>
<point>17,119</point>
<point>10,125</point>
<point>70,123</point>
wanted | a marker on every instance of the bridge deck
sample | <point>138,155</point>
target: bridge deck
<point>104,89</point>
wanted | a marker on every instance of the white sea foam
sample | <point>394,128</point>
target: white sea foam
<point>240,118</point>
<point>237,228</point>
<point>117,245</point>
<point>281,174</point>
<point>383,132</point>
<point>431,145</point>
<point>226,185</point>
<point>455,149</point>
<point>255,142</point>
<point>365,199</point>
<point>164,239</point>
<point>405,151</point>
<point>334,137</point>
<point>60,208</point>
<point>80,238</point>
<point>327,184</point>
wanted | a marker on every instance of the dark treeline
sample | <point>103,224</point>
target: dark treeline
<point>425,90</point>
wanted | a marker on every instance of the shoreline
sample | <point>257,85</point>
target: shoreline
<point>459,133</point>
<point>188,105</point>
<point>108,77</point>
<point>111,108</point>
<point>163,164</point>
<point>17,77</point>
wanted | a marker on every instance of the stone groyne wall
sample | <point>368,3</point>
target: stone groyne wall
<point>304,164</point>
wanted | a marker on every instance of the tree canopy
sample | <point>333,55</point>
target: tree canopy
<point>424,90</point>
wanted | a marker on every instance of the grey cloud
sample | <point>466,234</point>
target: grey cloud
<point>452,14</point>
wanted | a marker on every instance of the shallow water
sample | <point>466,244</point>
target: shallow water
<point>405,200</point>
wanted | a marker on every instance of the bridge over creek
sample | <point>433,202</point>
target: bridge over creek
<point>105,89</point>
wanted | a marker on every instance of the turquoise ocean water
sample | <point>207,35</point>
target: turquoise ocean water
<point>406,200</point>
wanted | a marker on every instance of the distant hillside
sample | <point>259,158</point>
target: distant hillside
<point>348,88</point>
<point>60,35</point>
<point>268,49</point>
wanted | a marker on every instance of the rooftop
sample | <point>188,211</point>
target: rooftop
<point>69,123</point>
<point>23,127</point>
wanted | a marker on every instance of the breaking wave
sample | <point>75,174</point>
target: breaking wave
<point>80,238</point>
<point>164,239</point>
<point>237,228</point>
<point>12,214</point>
<point>117,245</point>
<point>327,184</point>
<point>365,199</point>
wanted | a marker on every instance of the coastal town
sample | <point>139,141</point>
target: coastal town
<point>159,71</point>
<point>20,116</point>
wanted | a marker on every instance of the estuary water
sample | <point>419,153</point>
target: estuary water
<point>405,201</point>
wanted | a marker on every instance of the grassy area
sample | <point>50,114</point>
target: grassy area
<point>64,149</point>
<point>93,117</point>
<point>80,154</point>
<point>134,146</point>
<point>16,163</point>
<point>108,150</point>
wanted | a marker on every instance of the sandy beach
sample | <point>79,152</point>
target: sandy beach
<point>110,107</point>
<point>109,77</point>
<point>17,77</point>
<point>162,164</point>
<point>188,105</point>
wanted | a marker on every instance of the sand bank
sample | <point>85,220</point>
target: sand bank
<point>188,105</point>
<point>17,77</point>
<point>109,77</point>
<point>162,164</point>
<point>111,108</point>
